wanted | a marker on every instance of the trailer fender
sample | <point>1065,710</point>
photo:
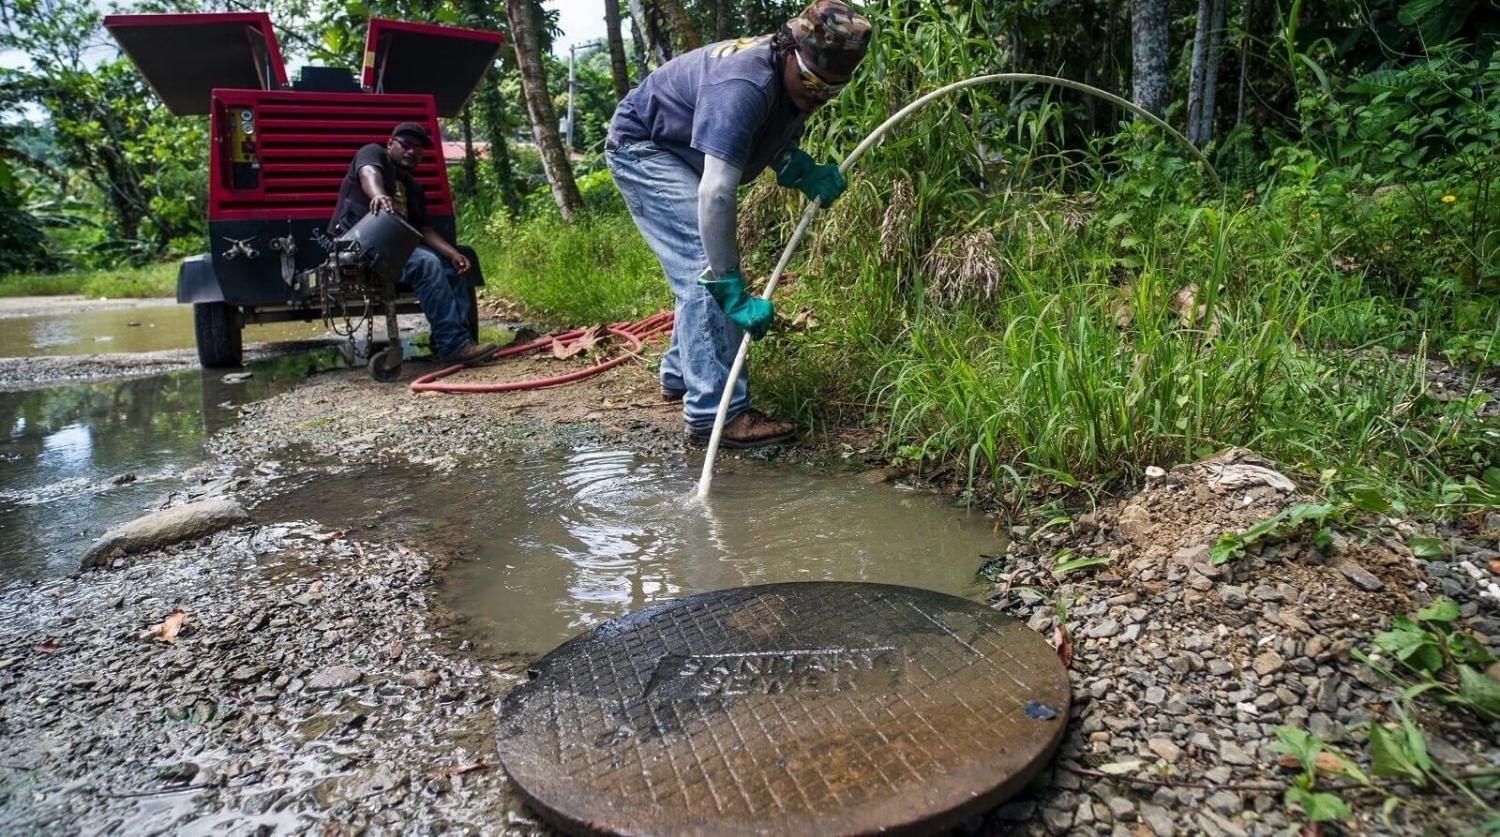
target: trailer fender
<point>196,281</point>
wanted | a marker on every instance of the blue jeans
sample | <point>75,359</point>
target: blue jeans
<point>661,192</point>
<point>444,296</point>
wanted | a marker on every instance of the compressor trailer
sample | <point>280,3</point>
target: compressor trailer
<point>279,151</point>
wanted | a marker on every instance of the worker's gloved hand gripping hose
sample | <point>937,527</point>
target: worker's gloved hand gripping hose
<point>817,183</point>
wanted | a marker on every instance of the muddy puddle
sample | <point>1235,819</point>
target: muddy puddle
<point>76,460</point>
<point>125,330</point>
<point>554,543</point>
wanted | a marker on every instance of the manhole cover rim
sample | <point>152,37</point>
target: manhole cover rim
<point>942,800</point>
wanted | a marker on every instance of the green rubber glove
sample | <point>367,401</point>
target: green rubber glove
<point>824,182</point>
<point>747,311</point>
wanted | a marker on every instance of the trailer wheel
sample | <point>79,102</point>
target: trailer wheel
<point>217,327</point>
<point>473,314</point>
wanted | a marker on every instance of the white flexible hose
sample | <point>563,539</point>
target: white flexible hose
<point>875,136</point>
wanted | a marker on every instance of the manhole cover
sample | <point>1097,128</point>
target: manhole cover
<point>786,708</point>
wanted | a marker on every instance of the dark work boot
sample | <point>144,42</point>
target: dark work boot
<point>750,429</point>
<point>472,354</point>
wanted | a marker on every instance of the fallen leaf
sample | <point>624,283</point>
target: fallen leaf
<point>47,647</point>
<point>588,340</point>
<point>1495,566</point>
<point>1329,763</point>
<point>804,320</point>
<point>1064,645</point>
<point>396,650</point>
<point>335,535</point>
<point>166,630</point>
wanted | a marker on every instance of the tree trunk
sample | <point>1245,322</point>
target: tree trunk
<point>648,32</point>
<point>638,49</point>
<point>471,168</point>
<point>1150,87</point>
<point>679,22</point>
<point>492,110</point>
<point>1211,73</point>
<point>523,30</point>
<point>617,72</point>
<point>1246,35</point>
<point>722,16</point>
<point>1197,70</point>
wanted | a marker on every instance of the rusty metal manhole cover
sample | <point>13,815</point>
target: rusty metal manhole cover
<point>822,707</point>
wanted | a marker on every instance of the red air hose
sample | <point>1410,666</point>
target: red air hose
<point>635,334</point>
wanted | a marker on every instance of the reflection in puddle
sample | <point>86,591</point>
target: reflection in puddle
<point>556,544</point>
<point>132,329</point>
<point>76,460</point>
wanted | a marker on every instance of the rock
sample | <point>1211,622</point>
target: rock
<point>1268,662</point>
<point>1158,820</point>
<point>1059,819</point>
<point>1134,522</point>
<point>1226,803</point>
<point>334,677</point>
<point>1192,555</point>
<point>1121,808</point>
<point>1156,695</point>
<point>238,377</point>
<point>1493,671</point>
<point>1103,630</point>
<point>1165,749</point>
<point>1233,596</point>
<point>1361,577</point>
<point>423,679</point>
<point>163,528</point>
<point>1230,752</point>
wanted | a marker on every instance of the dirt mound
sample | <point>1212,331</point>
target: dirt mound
<point>1183,668</point>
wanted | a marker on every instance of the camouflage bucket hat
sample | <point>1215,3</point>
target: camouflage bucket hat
<point>831,36</point>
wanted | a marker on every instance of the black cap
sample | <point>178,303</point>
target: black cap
<point>413,131</point>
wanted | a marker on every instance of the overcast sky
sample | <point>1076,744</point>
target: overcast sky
<point>581,21</point>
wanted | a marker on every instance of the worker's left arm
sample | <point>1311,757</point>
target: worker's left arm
<point>717,214</point>
<point>434,239</point>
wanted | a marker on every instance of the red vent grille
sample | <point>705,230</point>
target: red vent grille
<point>305,141</point>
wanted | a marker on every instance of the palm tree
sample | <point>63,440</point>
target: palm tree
<point>618,74</point>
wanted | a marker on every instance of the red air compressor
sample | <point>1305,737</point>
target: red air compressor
<point>278,154</point>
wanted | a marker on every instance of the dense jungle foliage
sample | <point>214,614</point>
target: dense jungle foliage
<point>1029,291</point>
<point>1025,286</point>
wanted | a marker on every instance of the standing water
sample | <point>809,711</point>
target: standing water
<point>76,460</point>
<point>130,328</point>
<point>556,544</point>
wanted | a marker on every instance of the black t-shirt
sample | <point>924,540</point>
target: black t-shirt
<point>406,193</point>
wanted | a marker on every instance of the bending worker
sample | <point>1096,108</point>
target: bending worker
<point>679,147</point>
<point>380,180</point>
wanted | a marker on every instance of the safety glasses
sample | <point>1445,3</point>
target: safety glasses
<point>813,84</point>
<point>405,143</point>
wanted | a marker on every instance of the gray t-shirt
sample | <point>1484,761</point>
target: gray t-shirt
<point>725,99</point>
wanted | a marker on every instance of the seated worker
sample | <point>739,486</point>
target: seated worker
<point>680,145</point>
<point>380,180</point>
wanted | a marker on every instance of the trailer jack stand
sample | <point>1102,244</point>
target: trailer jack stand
<point>385,365</point>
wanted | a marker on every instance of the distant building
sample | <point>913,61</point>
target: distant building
<point>453,152</point>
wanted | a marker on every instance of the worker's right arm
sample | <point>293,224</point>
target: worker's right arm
<point>373,184</point>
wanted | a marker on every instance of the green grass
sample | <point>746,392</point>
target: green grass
<point>598,270</point>
<point>154,280</point>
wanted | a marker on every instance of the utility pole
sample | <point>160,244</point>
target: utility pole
<point>573,83</point>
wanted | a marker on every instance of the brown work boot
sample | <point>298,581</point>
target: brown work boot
<point>750,429</point>
<point>472,354</point>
